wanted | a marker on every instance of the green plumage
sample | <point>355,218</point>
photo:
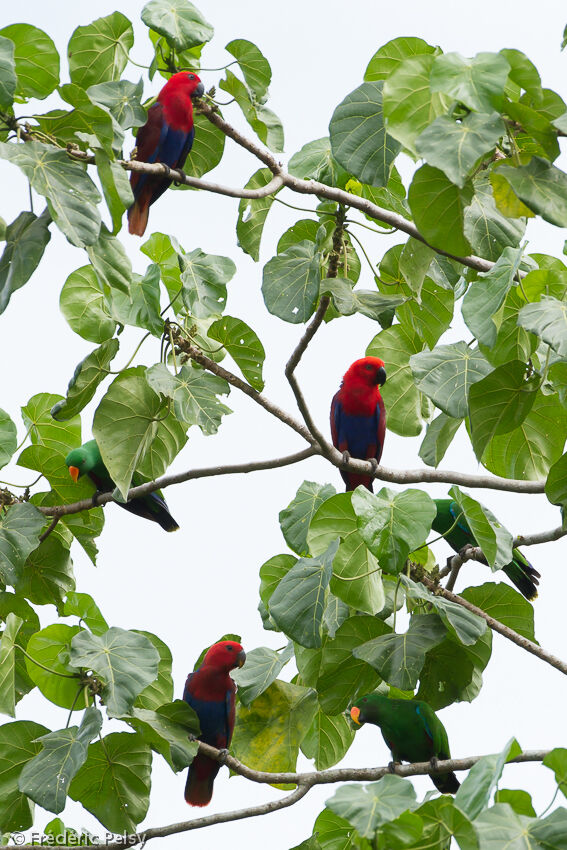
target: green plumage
<point>519,570</point>
<point>87,459</point>
<point>412,731</point>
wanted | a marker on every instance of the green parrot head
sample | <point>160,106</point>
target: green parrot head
<point>82,460</point>
<point>365,709</point>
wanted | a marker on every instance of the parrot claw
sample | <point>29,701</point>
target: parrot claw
<point>180,182</point>
<point>192,737</point>
<point>346,457</point>
<point>373,463</point>
<point>434,762</point>
<point>223,753</point>
<point>96,494</point>
<point>167,170</point>
<point>391,767</point>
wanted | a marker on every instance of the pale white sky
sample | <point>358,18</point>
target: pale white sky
<point>192,586</point>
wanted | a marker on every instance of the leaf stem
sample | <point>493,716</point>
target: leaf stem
<point>47,669</point>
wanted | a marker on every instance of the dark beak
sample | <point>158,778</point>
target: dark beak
<point>241,658</point>
<point>199,91</point>
<point>381,376</point>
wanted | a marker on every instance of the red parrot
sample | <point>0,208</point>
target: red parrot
<point>167,136</point>
<point>210,693</point>
<point>358,416</point>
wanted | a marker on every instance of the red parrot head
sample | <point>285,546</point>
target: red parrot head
<point>225,655</point>
<point>369,371</point>
<point>185,83</point>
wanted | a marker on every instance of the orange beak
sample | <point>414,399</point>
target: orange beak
<point>74,473</point>
<point>355,714</point>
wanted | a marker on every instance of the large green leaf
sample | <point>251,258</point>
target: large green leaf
<point>500,402</point>
<point>111,263</point>
<point>556,484</point>
<point>125,424</point>
<point>295,519</point>
<point>8,78</point>
<point>83,606</point>
<point>395,346</point>
<point>399,658</point>
<point>8,665</point>
<point>290,283</point>
<point>446,374</point>
<point>298,602</point>
<point>540,186</point>
<point>466,625</point>
<point>548,319</point>
<point>71,195</point>
<point>179,21</point>
<point>114,782</point>
<point>486,295</point>
<point>122,99</point>
<point>512,341</point>
<point>474,793</point>
<point>8,438</point>
<point>115,187</point>
<point>83,304</point>
<point>90,122</point>
<point>486,228</point>
<point>252,214</point>
<point>272,572</point>
<point>328,739</point>
<point>45,779</point>
<point>262,667</point>
<point>504,604</point>
<point>530,450</point>
<point>441,820</point>
<point>437,207</point>
<point>50,647</point>
<point>163,250</point>
<point>87,376</point>
<point>10,603</point>
<point>556,761</point>
<point>316,162</point>
<point>453,672</point>
<point>141,306</point>
<point>263,121</point>
<point>26,238</point>
<point>44,431</point>
<point>393,524</point>
<point>438,437</point>
<point>358,136</point>
<point>356,577</point>
<point>160,691</point>
<point>18,745</point>
<point>253,64</point>
<point>48,573</point>
<point>349,301</point>
<point>342,677</point>
<point>388,57</point>
<point>98,52</point>
<point>409,105</point>
<point>20,528</point>
<point>268,732</point>
<point>456,146</point>
<point>194,393</point>
<point>167,731</point>
<point>368,807</point>
<point>478,83</point>
<point>125,661</point>
<point>204,278</point>
<point>494,540</point>
<point>243,345</point>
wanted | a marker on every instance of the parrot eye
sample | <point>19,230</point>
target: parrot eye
<point>229,648</point>
<point>191,76</point>
<point>369,367</point>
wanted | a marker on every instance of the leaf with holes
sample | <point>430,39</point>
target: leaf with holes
<point>252,214</point>
<point>290,283</point>
<point>243,345</point>
<point>20,528</point>
<point>204,278</point>
<point>194,393</point>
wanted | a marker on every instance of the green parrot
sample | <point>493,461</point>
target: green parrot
<point>519,570</point>
<point>87,460</point>
<point>412,731</point>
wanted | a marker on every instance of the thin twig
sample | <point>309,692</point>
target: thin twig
<point>49,528</point>
<point>499,627</point>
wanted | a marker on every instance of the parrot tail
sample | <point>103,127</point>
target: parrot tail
<point>352,480</point>
<point>200,780</point>
<point>447,783</point>
<point>523,575</point>
<point>139,211</point>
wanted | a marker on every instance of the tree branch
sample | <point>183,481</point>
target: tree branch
<point>304,782</point>
<point>499,627</point>
<point>179,478</point>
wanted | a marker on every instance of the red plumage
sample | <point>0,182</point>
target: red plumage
<point>358,416</point>
<point>167,136</point>
<point>210,692</point>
